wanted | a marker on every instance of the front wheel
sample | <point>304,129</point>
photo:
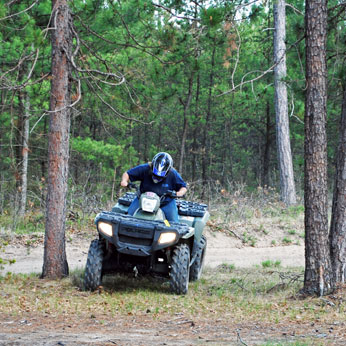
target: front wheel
<point>197,266</point>
<point>180,267</point>
<point>93,268</point>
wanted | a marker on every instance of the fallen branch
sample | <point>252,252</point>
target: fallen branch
<point>239,339</point>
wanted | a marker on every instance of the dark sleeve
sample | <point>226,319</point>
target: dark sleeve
<point>179,182</point>
<point>138,172</point>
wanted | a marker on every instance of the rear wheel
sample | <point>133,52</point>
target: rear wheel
<point>93,268</point>
<point>179,274</point>
<point>197,266</point>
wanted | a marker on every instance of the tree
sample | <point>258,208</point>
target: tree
<point>338,223</point>
<point>287,187</point>
<point>318,272</point>
<point>55,263</point>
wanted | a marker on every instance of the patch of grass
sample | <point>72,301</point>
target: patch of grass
<point>227,267</point>
<point>271,264</point>
<point>249,239</point>
<point>3,244</point>
<point>294,210</point>
<point>262,229</point>
<point>292,232</point>
<point>286,240</point>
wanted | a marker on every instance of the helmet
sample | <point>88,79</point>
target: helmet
<point>161,165</point>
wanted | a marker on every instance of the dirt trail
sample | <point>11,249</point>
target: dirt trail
<point>222,249</point>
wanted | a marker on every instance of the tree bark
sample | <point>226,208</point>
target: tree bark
<point>55,262</point>
<point>318,273</point>
<point>287,186</point>
<point>338,224</point>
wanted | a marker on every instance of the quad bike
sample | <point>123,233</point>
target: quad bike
<point>146,243</point>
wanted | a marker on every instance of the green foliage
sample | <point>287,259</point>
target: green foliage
<point>212,16</point>
<point>97,151</point>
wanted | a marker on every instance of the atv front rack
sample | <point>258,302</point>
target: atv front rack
<point>138,237</point>
<point>185,208</point>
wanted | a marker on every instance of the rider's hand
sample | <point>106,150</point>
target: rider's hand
<point>124,183</point>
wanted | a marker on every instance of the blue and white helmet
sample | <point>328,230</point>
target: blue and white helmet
<point>161,165</point>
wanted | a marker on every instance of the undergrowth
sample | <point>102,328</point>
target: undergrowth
<point>256,218</point>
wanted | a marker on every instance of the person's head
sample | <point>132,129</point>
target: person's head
<point>161,165</point>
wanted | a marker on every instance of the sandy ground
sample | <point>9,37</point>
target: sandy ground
<point>221,249</point>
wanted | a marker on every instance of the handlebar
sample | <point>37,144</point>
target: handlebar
<point>133,186</point>
<point>169,193</point>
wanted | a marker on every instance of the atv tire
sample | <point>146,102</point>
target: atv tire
<point>197,266</point>
<point>93,268</point>
<point>180,268</point>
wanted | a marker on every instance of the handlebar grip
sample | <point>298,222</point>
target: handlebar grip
<point>133,185</point>
<point>172,194</point>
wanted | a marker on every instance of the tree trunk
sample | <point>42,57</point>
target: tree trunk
<point>318,273</point>
<point>55,262</point>
<point>195,149</point>
<point>287,187</point>
<point>266,152</point>
<point>205,149</point>
<point>185,125</point>
<point>338,224</point>
<point>25,156</point>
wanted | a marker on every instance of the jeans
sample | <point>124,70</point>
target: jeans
<point>170,209</point>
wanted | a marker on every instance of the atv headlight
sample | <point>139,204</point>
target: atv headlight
<point>105,228</point>
<point>168,237</point>
<point>149,205</point>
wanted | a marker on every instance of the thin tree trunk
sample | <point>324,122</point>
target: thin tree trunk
<point>43,160</point>
<point>205,152</point>
<point>25,157</point>
<point>195,144</point>
<point>287,187</point>
<point>266,153</point>
<point>318,273</point>
<point>185,125</point>
<point>146,144</point>
<point>338,224</point>
<point>55,262</point>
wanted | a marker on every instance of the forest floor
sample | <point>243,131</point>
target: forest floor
<point>260,241</point>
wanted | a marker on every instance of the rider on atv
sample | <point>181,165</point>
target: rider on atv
<point>160,177</point>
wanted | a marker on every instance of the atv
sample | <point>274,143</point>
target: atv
<point>146,243</point>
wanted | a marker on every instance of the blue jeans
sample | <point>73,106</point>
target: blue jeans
<point>170,209</point>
